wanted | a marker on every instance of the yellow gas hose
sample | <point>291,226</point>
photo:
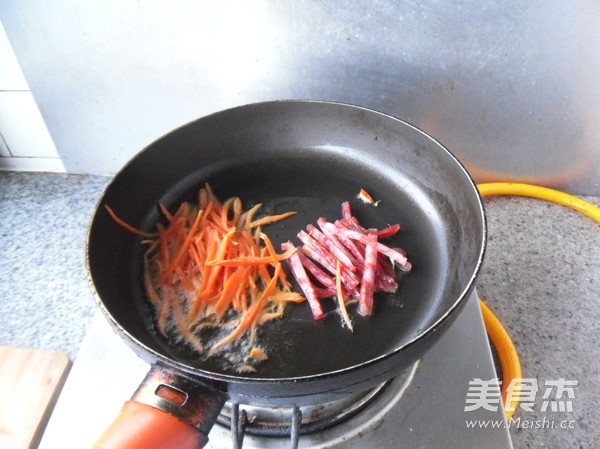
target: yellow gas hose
<point>543,193</point>
<point>507,353</point>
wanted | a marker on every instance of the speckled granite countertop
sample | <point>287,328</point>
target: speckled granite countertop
<point>541,276</point>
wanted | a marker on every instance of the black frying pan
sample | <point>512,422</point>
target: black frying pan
<point>308,157</point>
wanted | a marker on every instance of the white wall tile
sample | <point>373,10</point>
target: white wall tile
<point>21,124</point>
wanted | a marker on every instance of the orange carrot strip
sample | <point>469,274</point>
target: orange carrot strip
<point>237,211</point>
<point>252,246</point>
<point>219,254</point>
<point>196,256</point>
<point>230,289</point>
<point>250,316</point>
<point>199,302</point>
<point>152,248</point>
<point>270,219</point>
<point>169,239</point>
<point>263,273</point>
<point>183,210</point>
<point>207,211</point>
<point>127,225</point>
<point>225,213</point>
<point>259,354</point>
<point>240,301</point>
<point>166,212</point>
<point>226,273</point>
<point>273,253</point>
<point>209,192</point>
<point>172,237</point>
<point>202,198</point>
<point>269,246</point>
<point>251,260</point>
<point>268,317</point>
<point>184,248</point>
<point>287,297</point>
<point>366,196</point>
<point>247,216</point>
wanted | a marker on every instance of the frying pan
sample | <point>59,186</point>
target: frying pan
<point>306,156</point>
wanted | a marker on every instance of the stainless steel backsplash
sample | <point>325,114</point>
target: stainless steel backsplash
<point>512,87</point>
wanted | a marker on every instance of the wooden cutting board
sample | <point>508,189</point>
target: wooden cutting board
<point>30,381</point>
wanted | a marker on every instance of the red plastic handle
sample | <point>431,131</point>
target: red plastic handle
<point>141,426</point>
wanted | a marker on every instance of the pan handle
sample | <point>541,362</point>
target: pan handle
<point>168,411</point>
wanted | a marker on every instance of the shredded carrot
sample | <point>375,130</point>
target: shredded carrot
<point>211,266</point>
<point>250,260</point>
<point>366,197</point>
<point>230,289</point>
<point>166,212</point>
<point>270,219</point>
<point>287,297</point>
<point>270,249</point>
<point>250,317</point>
<point>258,353</point>
<point>183,250</point>
<point>128,226</point>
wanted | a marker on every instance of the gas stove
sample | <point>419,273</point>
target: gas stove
<point>424,407</point>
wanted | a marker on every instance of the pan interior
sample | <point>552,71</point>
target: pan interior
<point>314,183</point>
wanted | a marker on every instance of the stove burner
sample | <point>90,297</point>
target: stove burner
<point>428,413</point>
<point>292,422</point>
